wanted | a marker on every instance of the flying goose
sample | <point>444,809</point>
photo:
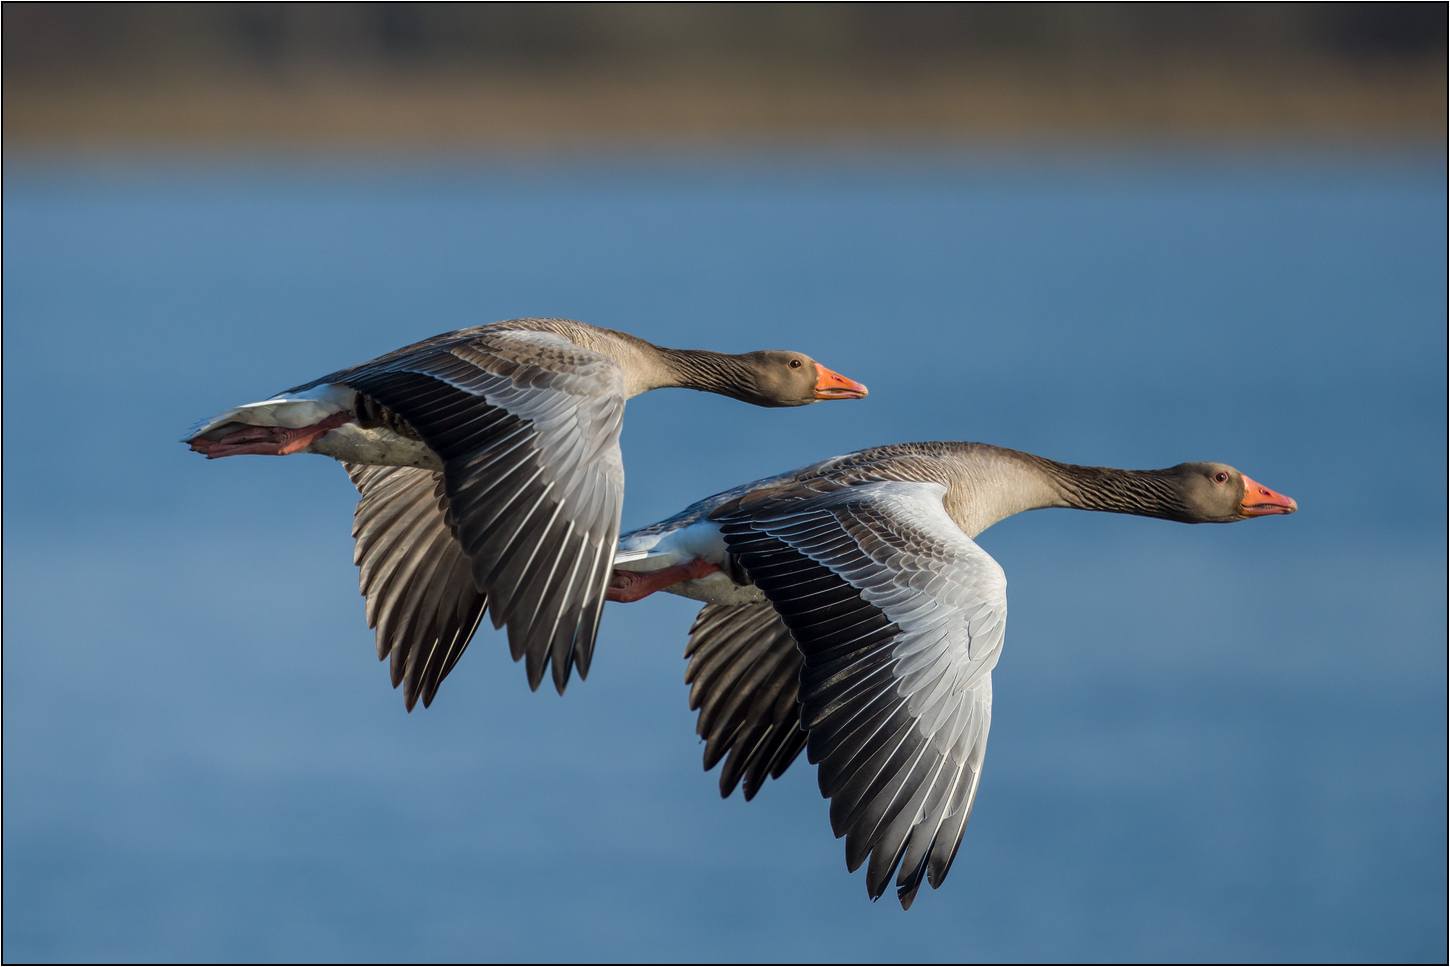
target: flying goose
<point>849,612</point>
<point>490,475</point>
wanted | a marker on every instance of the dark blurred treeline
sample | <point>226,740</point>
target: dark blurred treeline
<point>42,38</point>
<point>475,71</point>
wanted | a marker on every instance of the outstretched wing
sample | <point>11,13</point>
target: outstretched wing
<point>744,677</point>
<point>417,581</point>
<point>527,426</point>
<point>900,618</point>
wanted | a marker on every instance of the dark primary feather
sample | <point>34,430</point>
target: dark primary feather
<point>416,579</point>
<point>899,617</point>
<point>527,426</point>
<point>744,675</point>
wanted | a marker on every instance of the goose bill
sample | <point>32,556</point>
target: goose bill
<point>1260,501</point>
<point>833,386</point>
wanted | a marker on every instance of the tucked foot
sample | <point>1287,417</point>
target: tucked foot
<point>626,586</point>
<point>277,441</point>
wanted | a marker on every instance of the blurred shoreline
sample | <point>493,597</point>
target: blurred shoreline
<point>456,110</point>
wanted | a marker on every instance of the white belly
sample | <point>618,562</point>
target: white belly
<point>376,447</point>
<point>717,589</point>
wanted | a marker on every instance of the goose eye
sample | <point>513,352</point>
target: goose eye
<point>795,364</point>
<point>1221,477</point>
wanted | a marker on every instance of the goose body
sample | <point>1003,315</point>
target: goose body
<point>848,611</point>
<point>490,476</point>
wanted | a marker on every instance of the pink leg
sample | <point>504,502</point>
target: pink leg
<point>275,441</point>
<point>629,586</point>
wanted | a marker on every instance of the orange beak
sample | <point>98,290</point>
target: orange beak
<point>1260,501</point>
<point>834,386</point>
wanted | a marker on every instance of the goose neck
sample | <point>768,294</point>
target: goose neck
<point>1142,493</point>
<point>706,371</point>
<point>990,484</point>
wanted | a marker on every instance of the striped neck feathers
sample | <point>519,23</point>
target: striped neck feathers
<point>991,484</point>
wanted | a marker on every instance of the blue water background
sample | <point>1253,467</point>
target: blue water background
<point>1216,743</point>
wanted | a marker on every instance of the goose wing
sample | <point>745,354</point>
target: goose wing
<point>526,424</point>
<point>744,677</point>
<point>899,617</point>
<point>416,579</point>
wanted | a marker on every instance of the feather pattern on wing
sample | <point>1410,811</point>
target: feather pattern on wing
<point>526,424</point>
<point>417,581</point>
<point>900,618</point>
<point>744,676</point>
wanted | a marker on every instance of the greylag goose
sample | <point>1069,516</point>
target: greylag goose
<point>849,612</point>
<point>490,476</point>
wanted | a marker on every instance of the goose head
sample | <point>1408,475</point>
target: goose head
<point>775,378</point>
<point>1217,493</point>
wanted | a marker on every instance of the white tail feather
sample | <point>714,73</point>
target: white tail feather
<point>292,411</point>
